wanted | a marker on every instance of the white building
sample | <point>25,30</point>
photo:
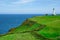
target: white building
<point>54,11</point>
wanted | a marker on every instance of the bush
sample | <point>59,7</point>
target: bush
<point>46,14</point>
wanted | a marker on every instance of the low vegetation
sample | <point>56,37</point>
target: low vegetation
<point>36,28</point>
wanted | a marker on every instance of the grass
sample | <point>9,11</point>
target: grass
<point>26,30</point>
<point>52,29</point>
<point>18,36</point>
<point>26,27</point>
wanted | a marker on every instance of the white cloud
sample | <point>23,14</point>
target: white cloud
<point>12,3</point>
<point>22,1</point>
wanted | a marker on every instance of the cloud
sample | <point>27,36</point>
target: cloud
<point>21,2</point>
<point>28,5</point>
<point>15,1</point>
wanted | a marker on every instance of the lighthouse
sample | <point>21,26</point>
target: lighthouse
<point>54,11</point>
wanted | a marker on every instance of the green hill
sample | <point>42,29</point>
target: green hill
<point>36,28</point>
<point>52,23</point>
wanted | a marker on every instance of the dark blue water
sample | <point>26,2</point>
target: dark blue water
<point>8,21</point>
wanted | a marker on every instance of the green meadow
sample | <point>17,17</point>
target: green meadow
<point>36,28</point>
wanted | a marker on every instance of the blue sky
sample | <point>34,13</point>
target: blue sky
<point>29,6</point>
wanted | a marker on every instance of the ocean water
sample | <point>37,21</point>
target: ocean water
<point>8,21</point>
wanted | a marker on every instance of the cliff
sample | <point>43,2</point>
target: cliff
<point>36,28</point>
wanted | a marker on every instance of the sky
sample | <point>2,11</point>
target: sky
<point>29,6</point>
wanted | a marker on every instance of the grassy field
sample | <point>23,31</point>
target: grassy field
<point>18,36</point>
<point>36,28</point>
<point>52,23</point>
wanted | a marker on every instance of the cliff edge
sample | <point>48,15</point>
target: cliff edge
<point>36,28</point>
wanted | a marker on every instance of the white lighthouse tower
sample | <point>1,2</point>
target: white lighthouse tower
<point>54,11</point>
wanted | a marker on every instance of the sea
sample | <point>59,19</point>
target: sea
<point>8,21</point>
